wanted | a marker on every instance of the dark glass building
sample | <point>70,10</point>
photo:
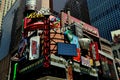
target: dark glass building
<point>78,9</point>
<point>105,15</point>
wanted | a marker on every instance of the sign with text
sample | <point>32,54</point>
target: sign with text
<point>34,48</point>
<point>57,61</point>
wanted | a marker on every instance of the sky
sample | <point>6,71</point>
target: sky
<point>58,5</point>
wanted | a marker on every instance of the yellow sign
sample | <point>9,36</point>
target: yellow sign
<point>35,15</point>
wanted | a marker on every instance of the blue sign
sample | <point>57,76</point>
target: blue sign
<point>67,49</point>
<point>75,41</point>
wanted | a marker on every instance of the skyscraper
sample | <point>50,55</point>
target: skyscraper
<point>78,9</point>
<point>5,5</point>
<point>105,15</point>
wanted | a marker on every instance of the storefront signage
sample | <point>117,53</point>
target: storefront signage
<point>58,61</point>
<point>32,66</point>
<point>89,29</point>
<point>34,47</point>
<point>94,50</point>
<point>90,71</point>
<point>61,62</point>
<point>76,67</point>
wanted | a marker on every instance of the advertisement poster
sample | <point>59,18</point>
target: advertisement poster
<point>77,58</point>
<point>115,36</point>
<point>94,50</point>
<point>34,48</point>
<point>66,49</point>
<point>85,61</point>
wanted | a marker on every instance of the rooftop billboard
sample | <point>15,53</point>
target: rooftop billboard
<point>86,27</point>
<point>116,36</point>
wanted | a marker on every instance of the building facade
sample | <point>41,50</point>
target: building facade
<point>105,15</point>
<point>10,25</point>
<point>108,67</point>
<point>116,49</point>
<point>5,5</point>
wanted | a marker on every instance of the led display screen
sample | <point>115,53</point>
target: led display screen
<point>67,49</point>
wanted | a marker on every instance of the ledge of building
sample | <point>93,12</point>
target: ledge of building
<point>50,78</point>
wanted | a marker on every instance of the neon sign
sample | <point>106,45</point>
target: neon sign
<point>35,15</point>
<point>39,62</point>
<point>40,13</point>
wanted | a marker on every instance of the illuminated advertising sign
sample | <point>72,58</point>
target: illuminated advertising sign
<point>77,58</point>
<point>76,67</point>
<point>84,43</point>
<point>57,61</point>
<point>91,71</point>
<point>34,48</point>
<point>86,27</point>
<point>67,49</point>
<point>115,36</point>
<point>94,50</point>
<point>78,30</point>
<point>35,15</point>
<point>32,66</point>
<point>40,13</point>
<point>22,45</point>
<point>85,61</point>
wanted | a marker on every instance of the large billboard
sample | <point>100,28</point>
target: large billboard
<point>34,48</point>
<point>86,27</point>
<point>116,36</point>
<point>66,49</point>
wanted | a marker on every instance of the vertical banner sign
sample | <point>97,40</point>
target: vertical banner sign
<point>34,48</point>
<point>94,50</point>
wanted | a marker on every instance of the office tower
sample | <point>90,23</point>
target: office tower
<point>105,15</point>
<point>78,9</point>
<point>5,6</point>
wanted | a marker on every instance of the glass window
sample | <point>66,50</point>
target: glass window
<point>115,53</point>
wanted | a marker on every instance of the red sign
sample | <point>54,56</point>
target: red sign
<point>34,47</point>
<point>77,58</point>
<point>94,50</point>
